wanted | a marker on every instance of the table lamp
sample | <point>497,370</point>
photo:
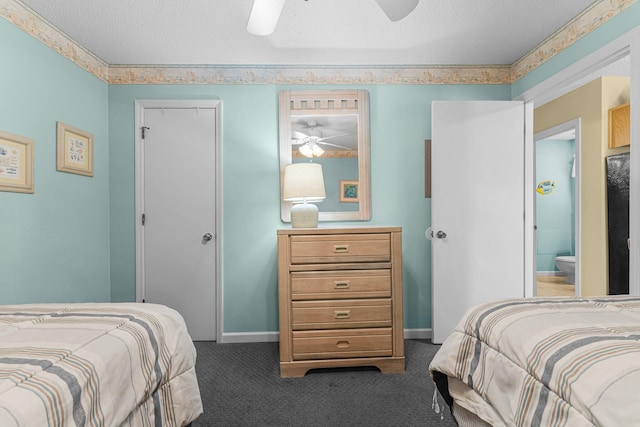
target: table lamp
<point>303,183</point>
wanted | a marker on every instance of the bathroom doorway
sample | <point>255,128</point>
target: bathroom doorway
<point>557,217</point>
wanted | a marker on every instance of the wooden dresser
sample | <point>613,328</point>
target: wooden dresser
<point>340,299</point>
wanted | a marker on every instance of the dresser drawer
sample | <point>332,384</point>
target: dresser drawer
<point>314,249</point>
<point>368,313</point>
<point>310,285</point>
<point>342,344</point>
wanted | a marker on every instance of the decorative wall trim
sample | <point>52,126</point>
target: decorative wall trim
<point>590,19</point>
<point>29,21</point>
<point>312,74</point>
<point>35,25</point>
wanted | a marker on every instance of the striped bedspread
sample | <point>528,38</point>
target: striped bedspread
<point>96,365</point>
<point>546,362</point>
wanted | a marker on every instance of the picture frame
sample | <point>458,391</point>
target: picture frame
<point>74,150</point>
<point>16,163</point>
<point>349,191</point>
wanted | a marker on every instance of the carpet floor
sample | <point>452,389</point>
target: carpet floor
<point>240,385</point>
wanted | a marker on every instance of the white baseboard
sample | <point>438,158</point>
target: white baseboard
<point>550,273</point>
<point>243,337</point>
<point>247,337</point>
<point>418,334</point>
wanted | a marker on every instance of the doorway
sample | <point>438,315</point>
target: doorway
<point>557,210</point>
<point>178,210</point>
<point>587,69</point>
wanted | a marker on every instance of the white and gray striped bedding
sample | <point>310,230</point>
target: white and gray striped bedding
<point>545,362</point>
<point>96,365</point>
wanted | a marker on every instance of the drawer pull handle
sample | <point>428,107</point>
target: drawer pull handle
<point>341,285</point>
<point>340,248</point>
<point>342,314</point>
<point>342,344</point>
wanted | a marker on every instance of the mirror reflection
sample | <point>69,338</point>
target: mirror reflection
<point>330,128</point>
<point>332,141</point>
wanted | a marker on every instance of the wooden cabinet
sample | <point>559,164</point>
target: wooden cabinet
<point>340,299</point>
<point>619,126</point>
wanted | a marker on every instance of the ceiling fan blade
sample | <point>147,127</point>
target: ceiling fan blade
<point>334,145</point>
<point>299,135</point>
<point>264,16</point>
<point>332,136</point>
<point>397,9</point>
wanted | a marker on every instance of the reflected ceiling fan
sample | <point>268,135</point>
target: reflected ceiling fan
<point>310,142</point>
<point>265,13</point>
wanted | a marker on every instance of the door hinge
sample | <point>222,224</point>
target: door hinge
<point>144,219</point>
<point>144,129</point>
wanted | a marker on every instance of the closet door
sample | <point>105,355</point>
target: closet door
<point>178,230</point>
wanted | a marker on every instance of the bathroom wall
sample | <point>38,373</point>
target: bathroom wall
<point>555,217</point>
<point>591,104</point>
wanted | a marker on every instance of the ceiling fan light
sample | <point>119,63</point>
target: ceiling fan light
<point>397,9</point>
<point>306,150</point>
<point>317,151</point>
<point>264,16</point>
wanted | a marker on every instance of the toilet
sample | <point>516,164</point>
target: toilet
<point>567,264</point>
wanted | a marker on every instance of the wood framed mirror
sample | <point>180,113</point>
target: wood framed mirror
<point>330,128</point>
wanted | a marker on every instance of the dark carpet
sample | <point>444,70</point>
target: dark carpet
<point>240,385</point>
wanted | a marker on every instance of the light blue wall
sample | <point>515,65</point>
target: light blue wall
<point>555,212</point>
<point>335,170</point>
<point>400,122</point>
<point>54,244</point>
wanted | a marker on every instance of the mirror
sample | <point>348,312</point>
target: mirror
<point>330,128</point>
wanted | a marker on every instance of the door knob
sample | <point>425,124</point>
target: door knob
<point>206,237</point>
<point>429,234</point>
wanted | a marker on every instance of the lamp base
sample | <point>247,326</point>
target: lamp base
<point>304,215</point>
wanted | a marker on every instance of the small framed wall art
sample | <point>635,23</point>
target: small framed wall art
<point>16,163</point>
<point>348,191</point>
<point>75,150</point>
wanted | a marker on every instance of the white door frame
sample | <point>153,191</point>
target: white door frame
<point>140,105</point>
<point>555,86</point>
<point>545,134</point>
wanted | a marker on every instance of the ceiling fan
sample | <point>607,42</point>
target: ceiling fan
<point>310,142</point>
<point>265,13</point>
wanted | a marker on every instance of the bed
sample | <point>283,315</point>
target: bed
<point>96,365</point>
<point>543,362</point>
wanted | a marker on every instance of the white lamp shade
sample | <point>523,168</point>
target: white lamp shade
<point>303,182</point>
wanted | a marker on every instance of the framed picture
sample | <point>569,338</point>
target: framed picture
<point>349,191</point>
<point>16,163</point>
<point>75,150</point>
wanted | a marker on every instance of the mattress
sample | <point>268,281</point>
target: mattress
<point>545,362</point>
<point>96,365</point>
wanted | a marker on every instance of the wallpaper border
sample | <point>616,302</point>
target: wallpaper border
<point>29,21</point>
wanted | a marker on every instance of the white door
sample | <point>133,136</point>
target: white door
<point>178,230</point>
<point>477,206</point>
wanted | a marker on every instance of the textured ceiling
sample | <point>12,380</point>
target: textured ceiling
<point>318,32</point>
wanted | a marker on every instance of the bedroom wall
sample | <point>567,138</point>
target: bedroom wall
<point>591,103</point>
<point>43,229</point>
<point>399,116</point>
<point>555,216</point>
<point>54,244</point>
